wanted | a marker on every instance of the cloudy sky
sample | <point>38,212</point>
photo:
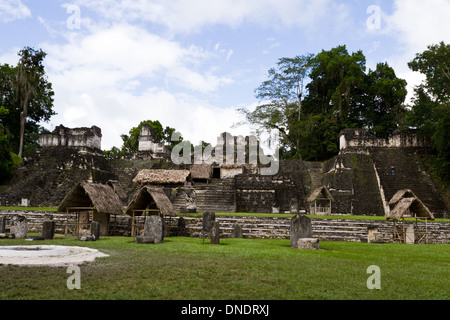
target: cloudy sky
<point>192,63</point>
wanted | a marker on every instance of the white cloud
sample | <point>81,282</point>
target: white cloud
<point>123,54</point>
<point>416,24</point>
<point>182,16</point>
<point>11,10</point>
<point>118,76</point>
<point>421,23</point>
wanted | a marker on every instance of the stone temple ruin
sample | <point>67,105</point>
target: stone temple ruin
<point>360,180</point>
<point>83,139</point>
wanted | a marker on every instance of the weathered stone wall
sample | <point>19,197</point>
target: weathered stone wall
<point>256,227</point>
<point>72,138</point>
<point>361,139</point>
<point>50,174</point>
<point>259,193</point>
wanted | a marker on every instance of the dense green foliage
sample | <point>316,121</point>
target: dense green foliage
<point>131,141</point>
<point>430,112</point>
<point>340,94</point>
<point>26,99</point>
<point>237,269</point>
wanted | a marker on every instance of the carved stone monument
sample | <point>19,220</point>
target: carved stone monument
<point>95,229</point>
<point>154,228</point>
<point>48,229</point>
<point>181,227</point>
<point>215,233</point>
<point>300,228</point>
<point>237,231</point>
<point>19,226</point>
<point>207,223</point>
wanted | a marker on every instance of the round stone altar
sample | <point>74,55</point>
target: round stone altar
<point>47,255</point>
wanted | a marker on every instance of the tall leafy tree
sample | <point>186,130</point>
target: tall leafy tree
<point>131,140</point>
<point>386,94</point>
<point>434,63</point>
<point>337,80</point>
<point>430,112</point>
<point>6,162</point>
<point>335,100</point>
<point>33,91</point>
<point>28,96</point>
<point>340,94</point>
<point>281,97</point>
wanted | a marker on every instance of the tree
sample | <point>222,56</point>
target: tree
<point>337,83</point>
<point>28,96</point>
<point>430,112</point>
<point>335,101</point>
<point>384,108</point>
<point>340,95</point>
<point>6,162</point>
<point>30,83</point>
<point>281,96</point>
<point>131,140</point>
<point>434,63</point>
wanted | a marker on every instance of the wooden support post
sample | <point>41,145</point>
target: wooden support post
<point>67,222</point>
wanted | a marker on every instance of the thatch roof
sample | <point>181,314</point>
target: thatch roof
<point>406,193</point>
<point>323,192</point>
<point>151,196</point>
<point>159,176</point>
<point>99,196</point>
<point>201,171</point>
<point>117,189</point>
<point>410,206</point>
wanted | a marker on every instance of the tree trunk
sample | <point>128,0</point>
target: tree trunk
<point>23,118</point>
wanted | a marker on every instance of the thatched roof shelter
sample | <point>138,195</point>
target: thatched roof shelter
<point>148,197</point>
<point>405,193</point>
<point>100,197</point>
<point>410,207</point>
<point>201,171</point>
<point>159,176</point>
<point>320,193</point>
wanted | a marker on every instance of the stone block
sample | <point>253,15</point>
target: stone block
<point>410,237</point>
<point>7,236</point>
<point>308,243</point>
<point>145,239</point>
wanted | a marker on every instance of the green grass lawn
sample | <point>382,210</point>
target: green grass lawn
<point>237,269</point>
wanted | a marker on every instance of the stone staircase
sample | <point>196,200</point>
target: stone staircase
<point>408,175</point>
<point>216,196</point>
